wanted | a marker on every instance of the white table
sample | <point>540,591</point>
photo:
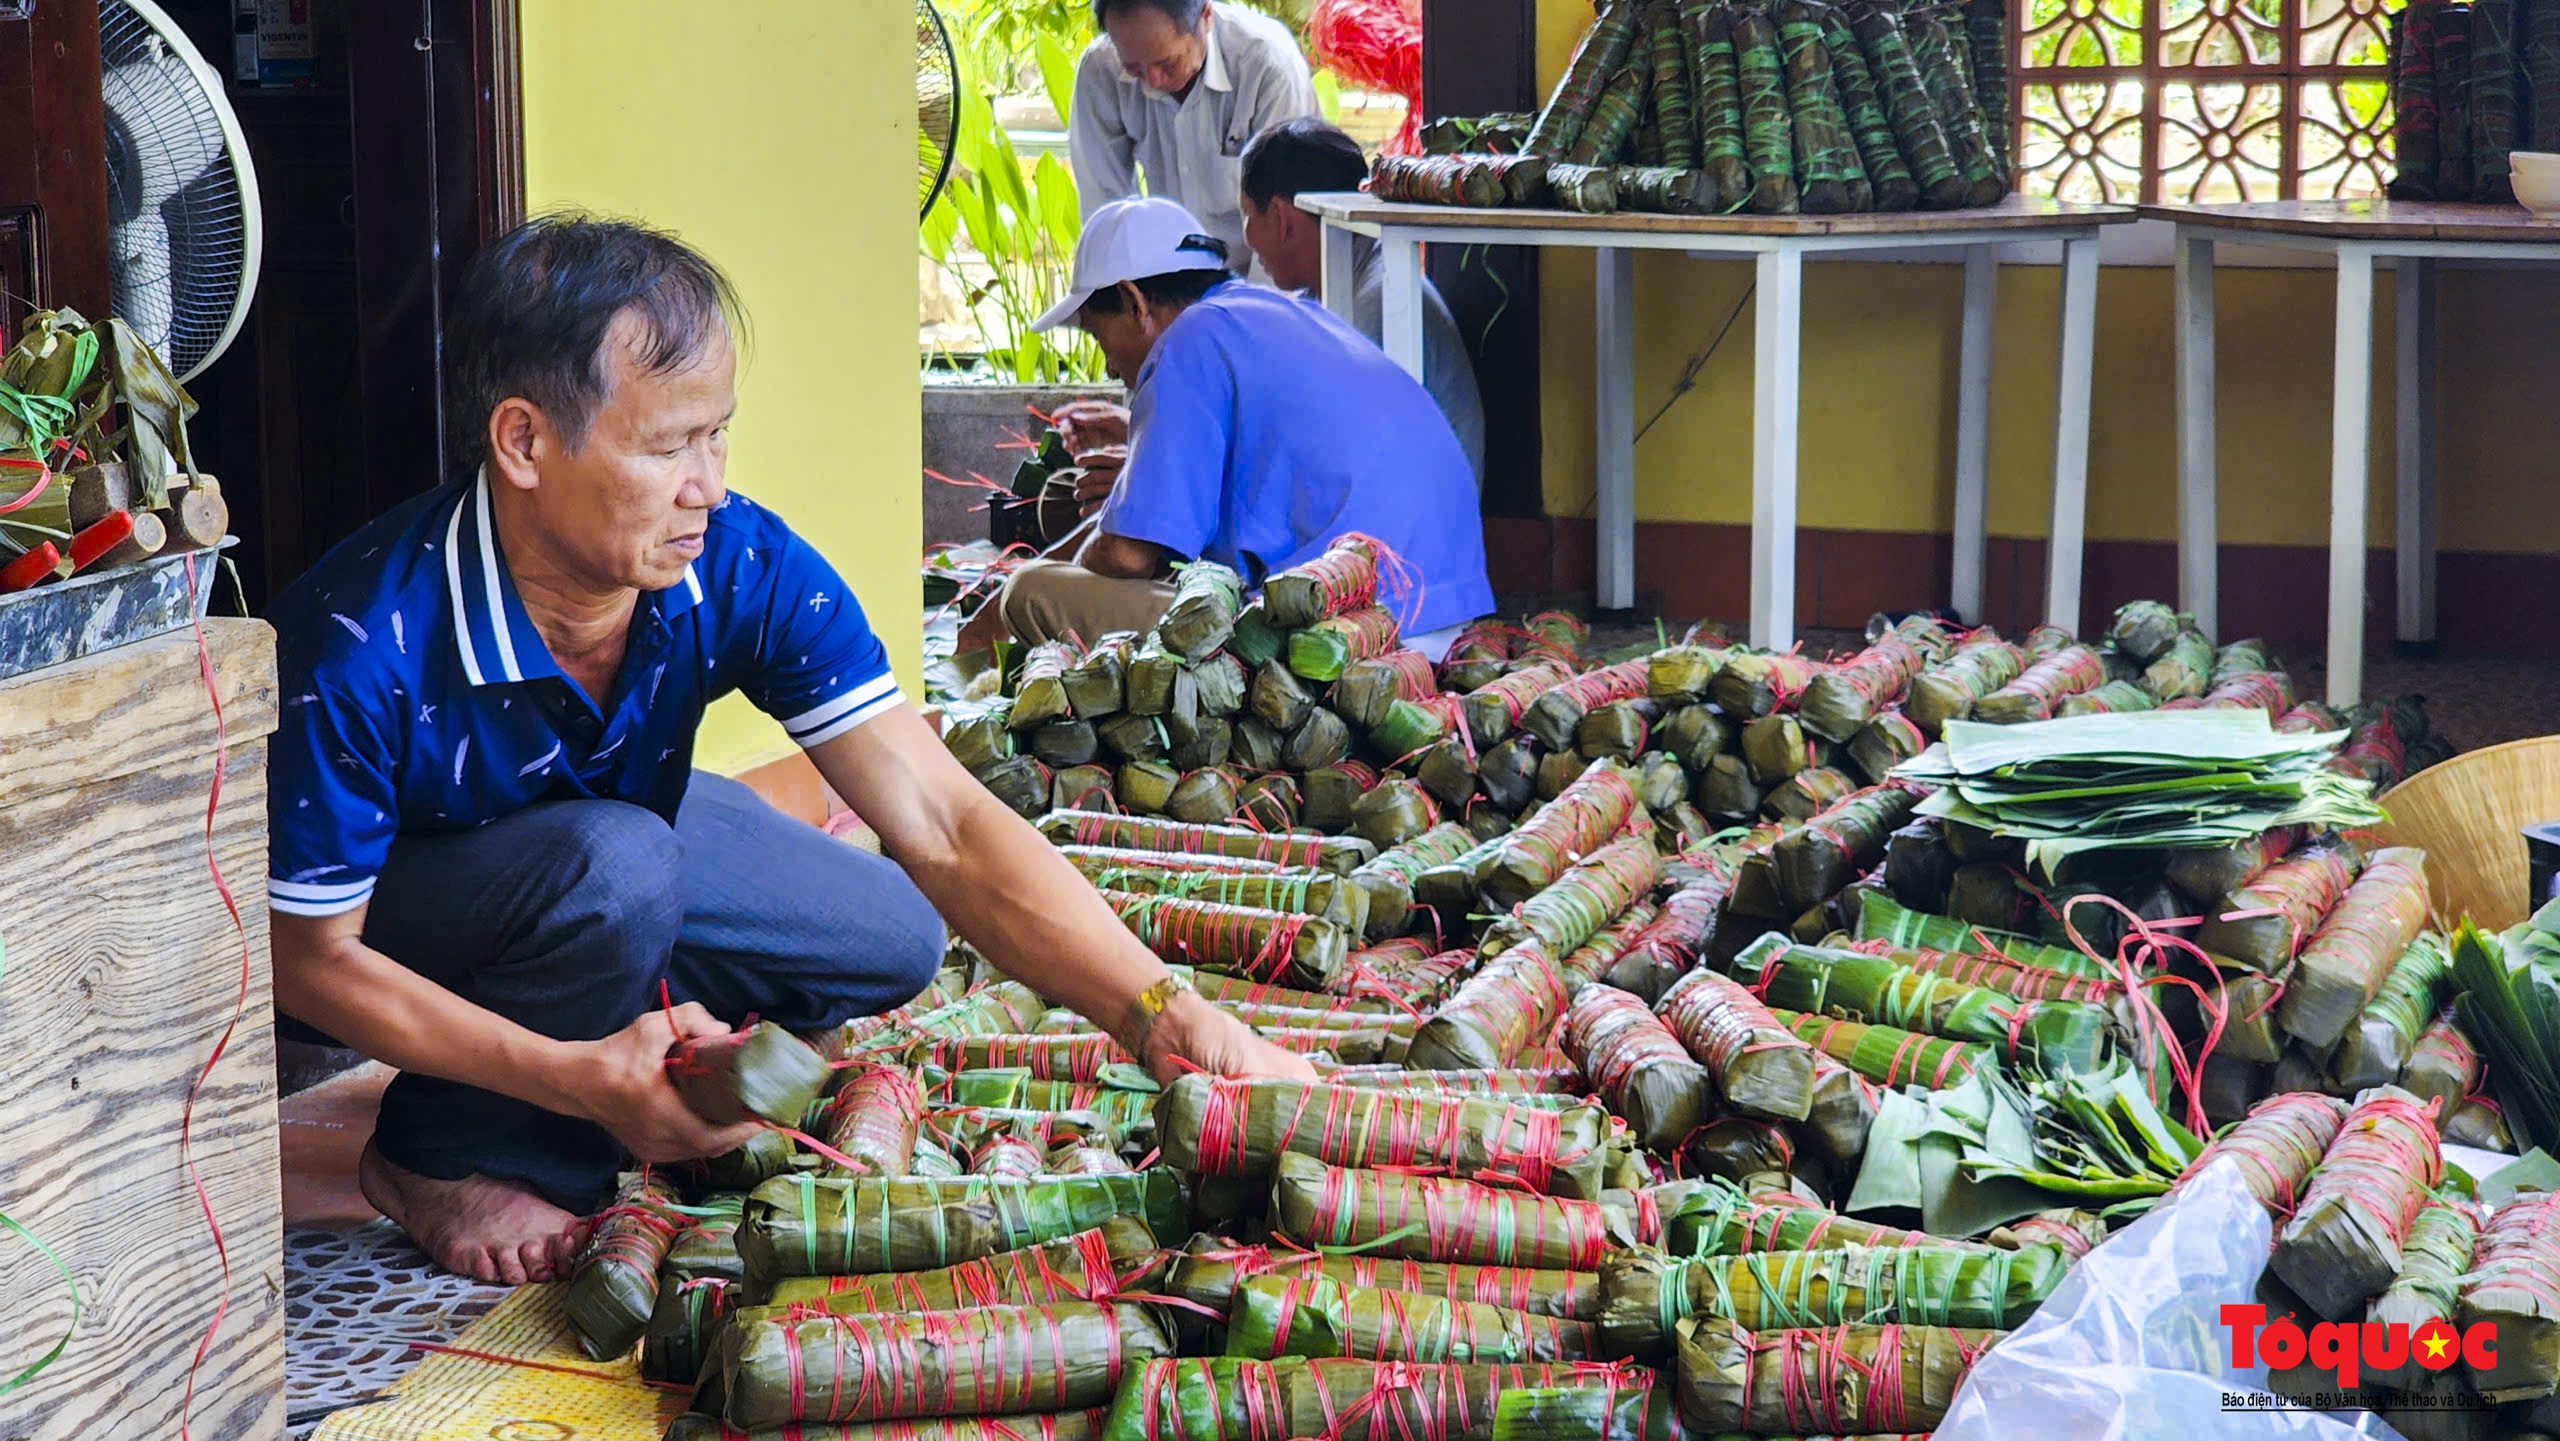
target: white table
<point>1779,245</point>
<point>2356,233</point>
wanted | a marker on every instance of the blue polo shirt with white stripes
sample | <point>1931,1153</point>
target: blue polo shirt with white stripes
<point>417,695</point>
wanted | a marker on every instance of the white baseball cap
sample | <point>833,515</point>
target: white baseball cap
<point>1131,240</point>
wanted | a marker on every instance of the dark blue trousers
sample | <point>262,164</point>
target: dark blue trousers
<point>565,916</point>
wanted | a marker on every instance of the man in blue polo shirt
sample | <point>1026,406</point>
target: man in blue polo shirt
<point>1261,428</point>
<point>492,864</point>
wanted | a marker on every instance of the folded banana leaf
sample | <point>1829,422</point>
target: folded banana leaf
<point>2385,1032</point>
<point>1776,747</point>
<point>1447,773</point>
<point>2184,669</point>
<point>687,1320</point>
<point>1369,687</point>
<point>1638,1066</point>
<point>1144,787</point>
<point>1949,691</point>
<point>1736,1148</point>
<point>983,739</point>
<point>2043,686</point>
<point>1208,1271</point>
<point>2277,1145</point>
<point>1083,1267</point>
<point>991,1361</point>
<point>1558,1085</point>
<point>1759,1067</point>
<point>1806,794</point>
<point>1339,854</point>
<point>1995,972</point>
<point>1557,714</point>
<point>2342,1245</point>
<point>1222,1126</point>
<point>2059,1036</point>
<point>2343,965</point>
<point>1045,1426</point>
<point>2266,923</point>
<point>1885,742</point>
<point>1835,1380</point>
<point>2444,1068</point>
<point>1840,701</point>
<point>1344,578</point>
<point>1405,981</point>
<point>1882,919</point>
<point>1192,743</point>
<point>763,1073</point>
<point>1331,791</point>
<point>1618,730</point>
<point>1314,1315</point>
<point>1481,652</point>
<point>2208,874</point>
<point>1888,1055</point>
<point>1592,959</point>
<point>1206,598</point>
<point>765,1155</point>
<point>1080,787</point>
<point>2479,1124</point>
<point>1220,682</point>
<point>1279,699</point>
<point>1159,684</point>
<point>1345,1399</point>
<point>1750,685</point>
<point>1694,735</point>
<point>1410,728</point>
<point>2145,630</point>
<point>1845,840</point>
<point>871,1120</point>
<point>1507,777</point>
<point>1426,1218</point>
<point>2514,1284</point>
<point>1645,1294</point>
<point>1725,790</point>
<point>1683,672</point>
<point>1256,641</point>
<point>1270,803</point>
<point>1040,692</point>
<point>808,1226</point>
<point>1595,891</point>
<point>1204,797</point>
<point>1660,783</point>
<point>613,1288</point>
<point>1494,1015</point>
<point>1098,685</point>
<point>1322,651</point>
<point>1843,1112</point>
<point>1393,813</point>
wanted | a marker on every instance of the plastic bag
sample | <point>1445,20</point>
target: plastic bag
<point>2131,1345</point>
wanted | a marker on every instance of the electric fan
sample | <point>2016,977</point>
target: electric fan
<point>182,202</point>
<point>937,104</point>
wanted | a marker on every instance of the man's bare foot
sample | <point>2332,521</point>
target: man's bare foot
<point>488,1230</point>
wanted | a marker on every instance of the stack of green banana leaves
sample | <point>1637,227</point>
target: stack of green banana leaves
<point>2154,780</point>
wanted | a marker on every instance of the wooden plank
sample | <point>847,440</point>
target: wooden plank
<point>2370,220</point>
<point>123,969</point>
<point>2018,212</point>
<point>114,714</point>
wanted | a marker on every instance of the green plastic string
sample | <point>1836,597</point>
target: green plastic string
<point>70,1281</point>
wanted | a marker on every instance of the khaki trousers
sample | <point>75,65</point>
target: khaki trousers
<point>1058,600</point>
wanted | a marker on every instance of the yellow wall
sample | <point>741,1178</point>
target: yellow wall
<point>777,140</point>
<point>1879,395</point>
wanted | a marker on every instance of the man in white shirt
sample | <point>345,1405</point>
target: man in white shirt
<point>1309,157</point>
<point>1174,89</point>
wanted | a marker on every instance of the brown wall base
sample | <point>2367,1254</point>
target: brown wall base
<point>1844,576</point>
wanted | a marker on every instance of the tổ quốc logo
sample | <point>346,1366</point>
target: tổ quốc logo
<point>2346,1349</point>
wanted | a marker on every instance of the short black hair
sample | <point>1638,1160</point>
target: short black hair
<point>1173,290</point>
<point>1185,14</point>
<point>1298,157</point>
<point>534,307</point>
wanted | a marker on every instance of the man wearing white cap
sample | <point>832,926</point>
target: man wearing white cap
<point>1261,427</point>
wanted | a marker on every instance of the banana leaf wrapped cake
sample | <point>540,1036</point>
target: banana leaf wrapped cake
<point>1422,1218</point>
<point>761,1073</point>
<point>2342,1245</point>
<point>2277,1146</point>
<point>1345,1399</point>
<point>2266,923</point>
<point>1315,1315</point>
<point>2058,1035</point>
<point>1221,1126</point>
<point>1835,1380</point>
<point>2514,1283</point>
<point>810,1226</point>
<point>1207,1271</point>
<point>994,1360</point>
<point>1494,1015</point>
<point>2345,961</point>
<point>1044,1426</point>
<point>613,1287</point>
<point>1083,1267</point>
<point>1645,1294</point>
<point>1637,1065</point>
<point>1757,1064</point>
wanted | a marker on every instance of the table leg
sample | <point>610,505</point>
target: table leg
<point>2416,526</point>
<point>1616,472</point>
<point>2071,439</point>
<point>2350,439</point>
<point>2199,561</point>
<point>1400,315</point>
<point>1341,270</point>
<point>1973,429</point>
<point>1777,366</point>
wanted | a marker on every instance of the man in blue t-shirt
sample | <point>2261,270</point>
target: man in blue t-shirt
<point>491,863</point>
<point>1261,428</point>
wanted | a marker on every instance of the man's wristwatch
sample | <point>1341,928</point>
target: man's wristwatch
<point>1151,1004</point>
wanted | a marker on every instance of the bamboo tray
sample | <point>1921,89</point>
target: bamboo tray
<point>61,622</point>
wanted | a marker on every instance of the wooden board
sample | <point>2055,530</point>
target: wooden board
<point>2018,212</point>
<point>2358,220</point>
<point>123,968</point>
